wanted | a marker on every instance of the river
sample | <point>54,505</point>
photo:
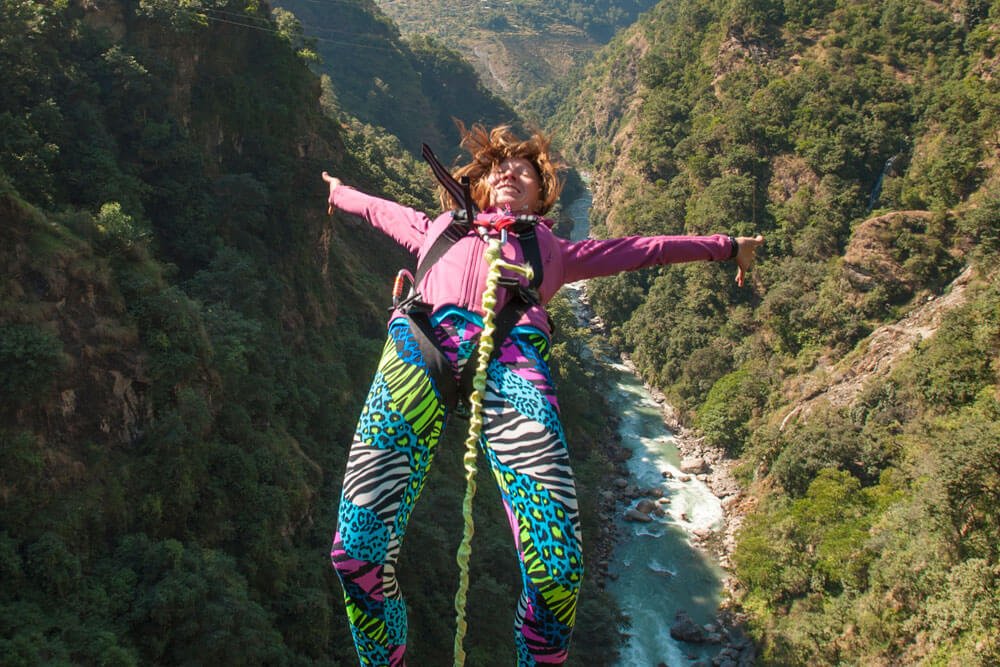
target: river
<point>655,571</point>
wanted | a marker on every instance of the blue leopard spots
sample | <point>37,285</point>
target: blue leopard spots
<point>395,616</point>
<point>366,536</point>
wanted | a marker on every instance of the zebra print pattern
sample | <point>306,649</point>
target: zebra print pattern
<point>387,467</point>
<point>530,461</point>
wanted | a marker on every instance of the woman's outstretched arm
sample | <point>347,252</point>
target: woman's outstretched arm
<point>604,257</point>
<point>406,225</point>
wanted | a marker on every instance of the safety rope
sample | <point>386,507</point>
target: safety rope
<point>486,344</point>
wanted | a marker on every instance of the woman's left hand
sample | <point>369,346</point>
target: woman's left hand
<point>745,255</point>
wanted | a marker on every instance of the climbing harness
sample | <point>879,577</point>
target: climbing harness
<point>464,221</point>
<point>455,394</point>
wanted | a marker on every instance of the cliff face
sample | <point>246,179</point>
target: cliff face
<point>63,290</point>
<point>71,273</point>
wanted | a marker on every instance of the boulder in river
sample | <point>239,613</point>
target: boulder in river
<point>645,505</point>
<point>632,514</point>
<point>686,630</point>
<point>694,465</point>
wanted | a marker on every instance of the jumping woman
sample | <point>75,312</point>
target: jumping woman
<point>423,376</point>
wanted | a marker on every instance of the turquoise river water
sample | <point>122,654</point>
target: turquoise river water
<point>655,570</point>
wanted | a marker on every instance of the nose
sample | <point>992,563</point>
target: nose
<point>502,173</point>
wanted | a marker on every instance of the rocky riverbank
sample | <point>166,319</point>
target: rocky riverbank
<point>712,467</point>
<point>708,465</point>
<point>643,504</point>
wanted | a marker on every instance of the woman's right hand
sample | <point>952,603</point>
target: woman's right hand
<point>334,184</point>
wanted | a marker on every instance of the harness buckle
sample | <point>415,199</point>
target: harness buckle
<point>508,282</point>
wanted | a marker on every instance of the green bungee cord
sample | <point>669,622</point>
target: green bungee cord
<point>486,345</point>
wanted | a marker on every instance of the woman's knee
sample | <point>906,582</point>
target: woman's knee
<point>362,539</point>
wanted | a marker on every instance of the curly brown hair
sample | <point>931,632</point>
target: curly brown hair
<point>489,148</point>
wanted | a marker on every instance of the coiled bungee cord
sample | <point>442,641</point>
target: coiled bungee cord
<point>486,345</point>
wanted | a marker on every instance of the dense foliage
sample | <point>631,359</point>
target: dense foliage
<point>414,89</point>
<point>861,139</point>
<point>185,341</point>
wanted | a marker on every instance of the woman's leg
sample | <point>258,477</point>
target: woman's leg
<point>392,451</point>
<point>524,443</point>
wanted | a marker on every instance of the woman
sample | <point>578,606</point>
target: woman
<point>522,437</point>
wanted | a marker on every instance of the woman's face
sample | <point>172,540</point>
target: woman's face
<point>515,183</point>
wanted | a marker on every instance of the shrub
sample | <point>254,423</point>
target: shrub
<point>732,402</point>
<point>29,360</point>
<point>122,231</point>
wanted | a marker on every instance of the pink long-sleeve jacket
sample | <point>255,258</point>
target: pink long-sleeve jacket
<point>458,278</point>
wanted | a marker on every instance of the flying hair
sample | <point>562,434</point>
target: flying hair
<point>489,148</point>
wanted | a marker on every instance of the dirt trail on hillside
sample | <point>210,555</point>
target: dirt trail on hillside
<point>844,381</point>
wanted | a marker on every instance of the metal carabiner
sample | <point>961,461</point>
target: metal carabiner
<point>397,286</point>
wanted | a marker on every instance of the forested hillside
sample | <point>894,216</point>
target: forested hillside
<point>413,88</point>
<point>186,339</point>
<point>855,383</point>
<point>518,46</point>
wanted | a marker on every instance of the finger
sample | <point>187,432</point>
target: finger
<point>329,209</point>
<point>739,276</point>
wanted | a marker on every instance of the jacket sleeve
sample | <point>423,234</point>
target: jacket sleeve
<point>592,258</point>
<point>406,225</point>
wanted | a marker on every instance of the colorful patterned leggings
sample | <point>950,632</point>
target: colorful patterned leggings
<point>526,450</point>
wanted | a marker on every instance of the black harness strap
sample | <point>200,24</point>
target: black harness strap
<point>437,363</point>
<point>445,240</point>
<point>525,230</point>
<point>445,178</point>
<point>470,215</point>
